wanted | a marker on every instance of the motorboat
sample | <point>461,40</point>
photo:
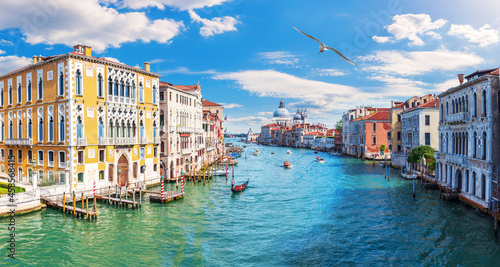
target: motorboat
<point>320,160</point>
<point>287,165</point>
<point>289,152</point>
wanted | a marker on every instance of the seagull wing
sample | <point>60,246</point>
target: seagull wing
<point>308,35</point>
<point>335,50</point>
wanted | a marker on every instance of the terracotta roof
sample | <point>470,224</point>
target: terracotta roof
<point>377,116</point>
<point>165,83</point>
<point>270,125</point>
<point>431,104</point>
<point>207,103</point>
<point>314,133</point>
<point>187,87</point>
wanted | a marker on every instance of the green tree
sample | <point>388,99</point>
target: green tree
<point>383,148</point>
<point>420,152</point>
<point>338,126</point>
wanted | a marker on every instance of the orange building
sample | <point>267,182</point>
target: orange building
<point>370,132</point>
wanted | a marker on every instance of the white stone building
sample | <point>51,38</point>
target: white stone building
<point>468,130</point>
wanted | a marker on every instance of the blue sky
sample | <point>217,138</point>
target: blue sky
<point>246,54</point>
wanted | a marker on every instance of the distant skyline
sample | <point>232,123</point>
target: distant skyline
<point>246,55</point>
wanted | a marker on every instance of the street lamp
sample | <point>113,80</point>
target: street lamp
<point>35,182</point>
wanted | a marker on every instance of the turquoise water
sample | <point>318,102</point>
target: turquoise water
<point>340,213</point>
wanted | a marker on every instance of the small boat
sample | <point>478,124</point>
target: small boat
<point>320,160</point>
<point>315,152</point>
<point>409,176</point>
<point>239,188</point>
<point>287,165</point>
<point>255,153</point>
<point>289,152</point>
<point>272,152</point>
<point>244,146</point>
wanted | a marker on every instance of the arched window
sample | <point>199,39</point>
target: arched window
<point>28,97</point>
<point>61,83</point>
<point>1,97</point>
<point>19,128</point>
<point>154,94</point>
<point>121,88</point>
<point>473,185</point>
<point>110,129</point>
<point>141,92</point>
<point>61,128</point>
<point>116,87</point>
<point>30,128</point>
<point>474,102</point>
<point>101,128</point>
<point>40,88</point>
<point>19,93</point>
<point>78,82</point>
<point>484,103</point>
<point>447,109</point>
<point>485,145</point>
<point>474,145</point>
<point>40,129</point>
<point>483,187</point>
<point>127,89</point>
<point>452,106</point>
<point>132,94</point>
<point>79,127</point>
<point>10,95</point>
<point>51,129</point>
<point>100,86</point>
<point>11,127</point>
<point>441,113</point>
<point>110,86</point>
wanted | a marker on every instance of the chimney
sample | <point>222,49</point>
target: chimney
<point>39,59</point>
<point>88,50</point>
<point>461,78</point>
<point>35,59</point>
<point>146,66</point>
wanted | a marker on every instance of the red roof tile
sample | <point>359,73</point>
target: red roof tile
<point>431,104</point>
<point>207,103</point>
<point>377,116</point>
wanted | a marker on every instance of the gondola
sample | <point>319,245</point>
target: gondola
<point>239,188</point>
<point>287,165</point>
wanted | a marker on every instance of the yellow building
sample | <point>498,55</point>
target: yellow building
<point>83,119</point>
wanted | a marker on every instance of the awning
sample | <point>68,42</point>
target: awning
<point>185,135</point>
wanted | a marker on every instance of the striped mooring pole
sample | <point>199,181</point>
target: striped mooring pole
<point>162,188</point>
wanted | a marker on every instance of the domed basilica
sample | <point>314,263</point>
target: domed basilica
<point>282,116</point>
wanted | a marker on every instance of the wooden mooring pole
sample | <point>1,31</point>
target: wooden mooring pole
<point>87,200</point>
<point>64,202</point>
<point>74,204</point>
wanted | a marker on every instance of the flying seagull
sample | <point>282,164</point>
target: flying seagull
<point>323,47</point>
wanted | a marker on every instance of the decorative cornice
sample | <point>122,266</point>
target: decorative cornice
<point>467,84</point>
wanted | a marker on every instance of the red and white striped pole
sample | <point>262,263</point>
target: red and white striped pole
<point>182,183</point>
<point>94,188</point>
<point>162,189</point>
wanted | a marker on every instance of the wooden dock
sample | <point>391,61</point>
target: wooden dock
<point>118,201</point>
<point>168,196</point>
<point>70,206</point>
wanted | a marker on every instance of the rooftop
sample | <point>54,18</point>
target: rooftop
<point>207,103</point>
<point>382,115</point>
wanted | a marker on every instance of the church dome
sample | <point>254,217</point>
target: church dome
<point>281,112</point>
<point>298,116</point>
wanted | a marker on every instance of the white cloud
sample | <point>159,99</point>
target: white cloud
<point>186,71</point>
<point>161,4</point>
<point>112,59</point>
<point>328,72</point>
<point>232,105</point>
<point>214,26</point>
<point>264,113</point>
<point>279,57</point>
<point>381,39</point>
<point>157,60</point>
<point>484,36</point>
<point>2,52</point>
<point>317,96</point>
<point>441,87</point>
<point>5,42</point>
<point>10,63</point>
<point>71,22</point>
<point>419,62</point>
<point>410,26</point>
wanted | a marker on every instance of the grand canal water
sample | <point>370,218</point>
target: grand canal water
<point>342,212</point>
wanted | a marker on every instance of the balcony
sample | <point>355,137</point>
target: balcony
<point>62,165</point>
<point>210,148</point>
<point>40,162</point>
<point>458,159</point>
<point>125,141</point>
<point>50,164</point>
<point>81,141</point>
<point>185,129</point>
<point>19,141</point>
<point>457,118</point>
<point>105,141</point>
<point>156,140</point>
<point>121,99</point>
<point>144,140</point>
<point>186,151</point>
